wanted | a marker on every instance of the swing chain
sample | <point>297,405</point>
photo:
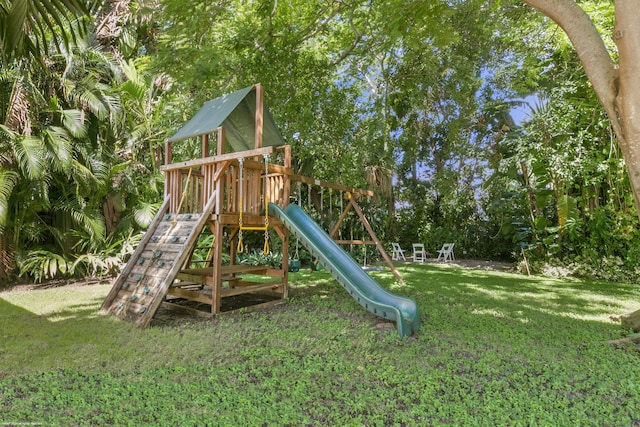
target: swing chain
<point>266,198</point>
<point>240,248</point>
<point>266,250</point>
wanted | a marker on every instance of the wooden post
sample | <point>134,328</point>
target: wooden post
<point>285,230</point>
<point>286,177</point>
<point>205,146</point>
<point>259,115</point>
<point>221,136</point>
<point>167,153</point>
<point>218,229</point>
<point>285,262</point>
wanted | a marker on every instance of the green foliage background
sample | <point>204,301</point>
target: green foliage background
<point>413,100</point>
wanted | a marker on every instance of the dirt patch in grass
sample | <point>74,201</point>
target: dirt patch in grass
<point>57,283</point>
<point>477,264</point>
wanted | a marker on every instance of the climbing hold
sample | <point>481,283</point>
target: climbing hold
<point>188,217</point>
<point>174,239</point>
<point>167,217</point>
<point>147,289</point>
<point>157,254</point>
<point>133,298</point>
<point>121,304</point>
<point>125,286</point>
<point>140,261</point>
<point>154,239</point>
<point>143,309</point>
<point>138,278</point>
<point>160,263</point>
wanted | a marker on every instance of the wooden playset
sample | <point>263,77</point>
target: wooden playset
<point>244,167</point>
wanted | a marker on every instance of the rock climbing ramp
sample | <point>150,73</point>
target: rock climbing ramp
<point>145,281</point>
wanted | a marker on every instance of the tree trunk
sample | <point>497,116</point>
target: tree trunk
<point>631,321</point>
<point>627,38</point>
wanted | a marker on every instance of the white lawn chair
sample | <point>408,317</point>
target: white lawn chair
<point>419,254</point>
<point>398,253</point>
<point>446,253</point>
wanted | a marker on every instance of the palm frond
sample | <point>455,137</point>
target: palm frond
<point>144,213</point>
<point>7,136</point>
<point>85,220</point>
<point>58,148</point>
<point>74,122</point>
<point>84,177</point>
<point>30,156</point>
<point>30,25</point>
<point>92,225</point>
<point>8,180</point>
<point>379,178</point>
<point>100,170</point>
<point>86,95</point>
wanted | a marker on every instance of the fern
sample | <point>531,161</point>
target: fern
<point>42,264</point>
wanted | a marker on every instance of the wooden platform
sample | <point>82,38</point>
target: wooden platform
<point>204,275</point>
<point>196,284</point>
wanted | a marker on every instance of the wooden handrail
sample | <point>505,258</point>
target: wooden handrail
<point>217,159</point>
<point>332,185</point>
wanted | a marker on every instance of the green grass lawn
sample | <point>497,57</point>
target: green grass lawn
<point>494,349</point>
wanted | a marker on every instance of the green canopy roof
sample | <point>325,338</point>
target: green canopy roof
<point>235,112</point>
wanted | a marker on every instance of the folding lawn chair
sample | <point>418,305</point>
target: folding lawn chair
<point>398,253</point>
<point>419,254</point>
<point>446,253</point>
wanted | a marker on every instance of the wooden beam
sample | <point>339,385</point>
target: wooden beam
<point>250,289</point>
<point>167,153</point>
<point>332,185</point>
<point>205,146</point>
<point>259,114</point>
<point>220,158</point>
<point>367,226</point>
<point>355,242</point>
<point>339,222</point>
<point>221,141</point>
<point>218,236</point>
<point>190,295</point>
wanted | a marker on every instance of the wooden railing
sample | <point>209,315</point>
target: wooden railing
<point>190,184</point>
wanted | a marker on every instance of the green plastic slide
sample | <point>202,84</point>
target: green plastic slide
<point>365,290</point>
